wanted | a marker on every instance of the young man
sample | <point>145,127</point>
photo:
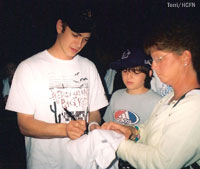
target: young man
<point>134,104</point>
<point>54,93</point>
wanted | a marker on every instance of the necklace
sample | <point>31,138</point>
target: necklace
<point>183,96</point>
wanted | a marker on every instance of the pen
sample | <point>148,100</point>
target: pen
<point>86,131</point>
<point>70,115</point>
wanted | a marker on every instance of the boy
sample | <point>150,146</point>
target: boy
<point>134,104</point>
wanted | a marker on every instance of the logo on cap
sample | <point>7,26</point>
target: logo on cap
<point>147,62</point>
<point>126,54</point>
<point>89,14</point>
<point>86,15</point>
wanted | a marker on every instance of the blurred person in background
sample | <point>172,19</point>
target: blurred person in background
<point>9,71</point>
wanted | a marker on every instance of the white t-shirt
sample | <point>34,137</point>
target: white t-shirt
<point>43,86</point>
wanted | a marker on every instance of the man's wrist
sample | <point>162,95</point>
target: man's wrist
<point>92,123</point>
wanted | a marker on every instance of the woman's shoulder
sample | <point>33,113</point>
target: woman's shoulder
<point>193,95</point>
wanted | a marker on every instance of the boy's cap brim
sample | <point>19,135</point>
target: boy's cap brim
<point>120,65</point>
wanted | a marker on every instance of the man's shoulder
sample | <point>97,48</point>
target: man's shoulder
<point>84,59</point>
<point>85,62</point>
<point>32,61</point>
<point>38,55</point>
<point>34,57</point>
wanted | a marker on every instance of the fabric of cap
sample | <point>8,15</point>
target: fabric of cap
<point>79,17</point>
<point>132,58</point>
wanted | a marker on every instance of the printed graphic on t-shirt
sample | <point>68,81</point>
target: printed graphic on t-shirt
<point>126,117</point>
<point>70,93</point>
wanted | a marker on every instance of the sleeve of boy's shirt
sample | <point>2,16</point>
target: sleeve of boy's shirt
<point>108,116</point>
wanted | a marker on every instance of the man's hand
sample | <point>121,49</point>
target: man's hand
<point>75,129</point>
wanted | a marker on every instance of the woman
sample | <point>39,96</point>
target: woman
<point>170,139</point>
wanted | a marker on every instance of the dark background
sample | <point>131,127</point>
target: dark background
<point>28,26</point>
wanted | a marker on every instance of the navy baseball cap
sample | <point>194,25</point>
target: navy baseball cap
<point>132,58</point>
<point>79,17</point>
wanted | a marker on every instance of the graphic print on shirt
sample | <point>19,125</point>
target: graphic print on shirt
<point>71,93</point>
<point>126,117</point>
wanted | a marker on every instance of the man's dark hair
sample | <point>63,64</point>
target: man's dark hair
<point>176,36</point>
<point>64,25</point>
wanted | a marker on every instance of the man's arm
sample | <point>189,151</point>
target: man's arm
<point>95,116</point>
<point>40,129</point>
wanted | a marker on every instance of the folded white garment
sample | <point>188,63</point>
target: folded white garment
<point>95,150</point>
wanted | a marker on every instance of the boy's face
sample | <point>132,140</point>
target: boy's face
<point>71,42</point>
<point>133,79</point>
